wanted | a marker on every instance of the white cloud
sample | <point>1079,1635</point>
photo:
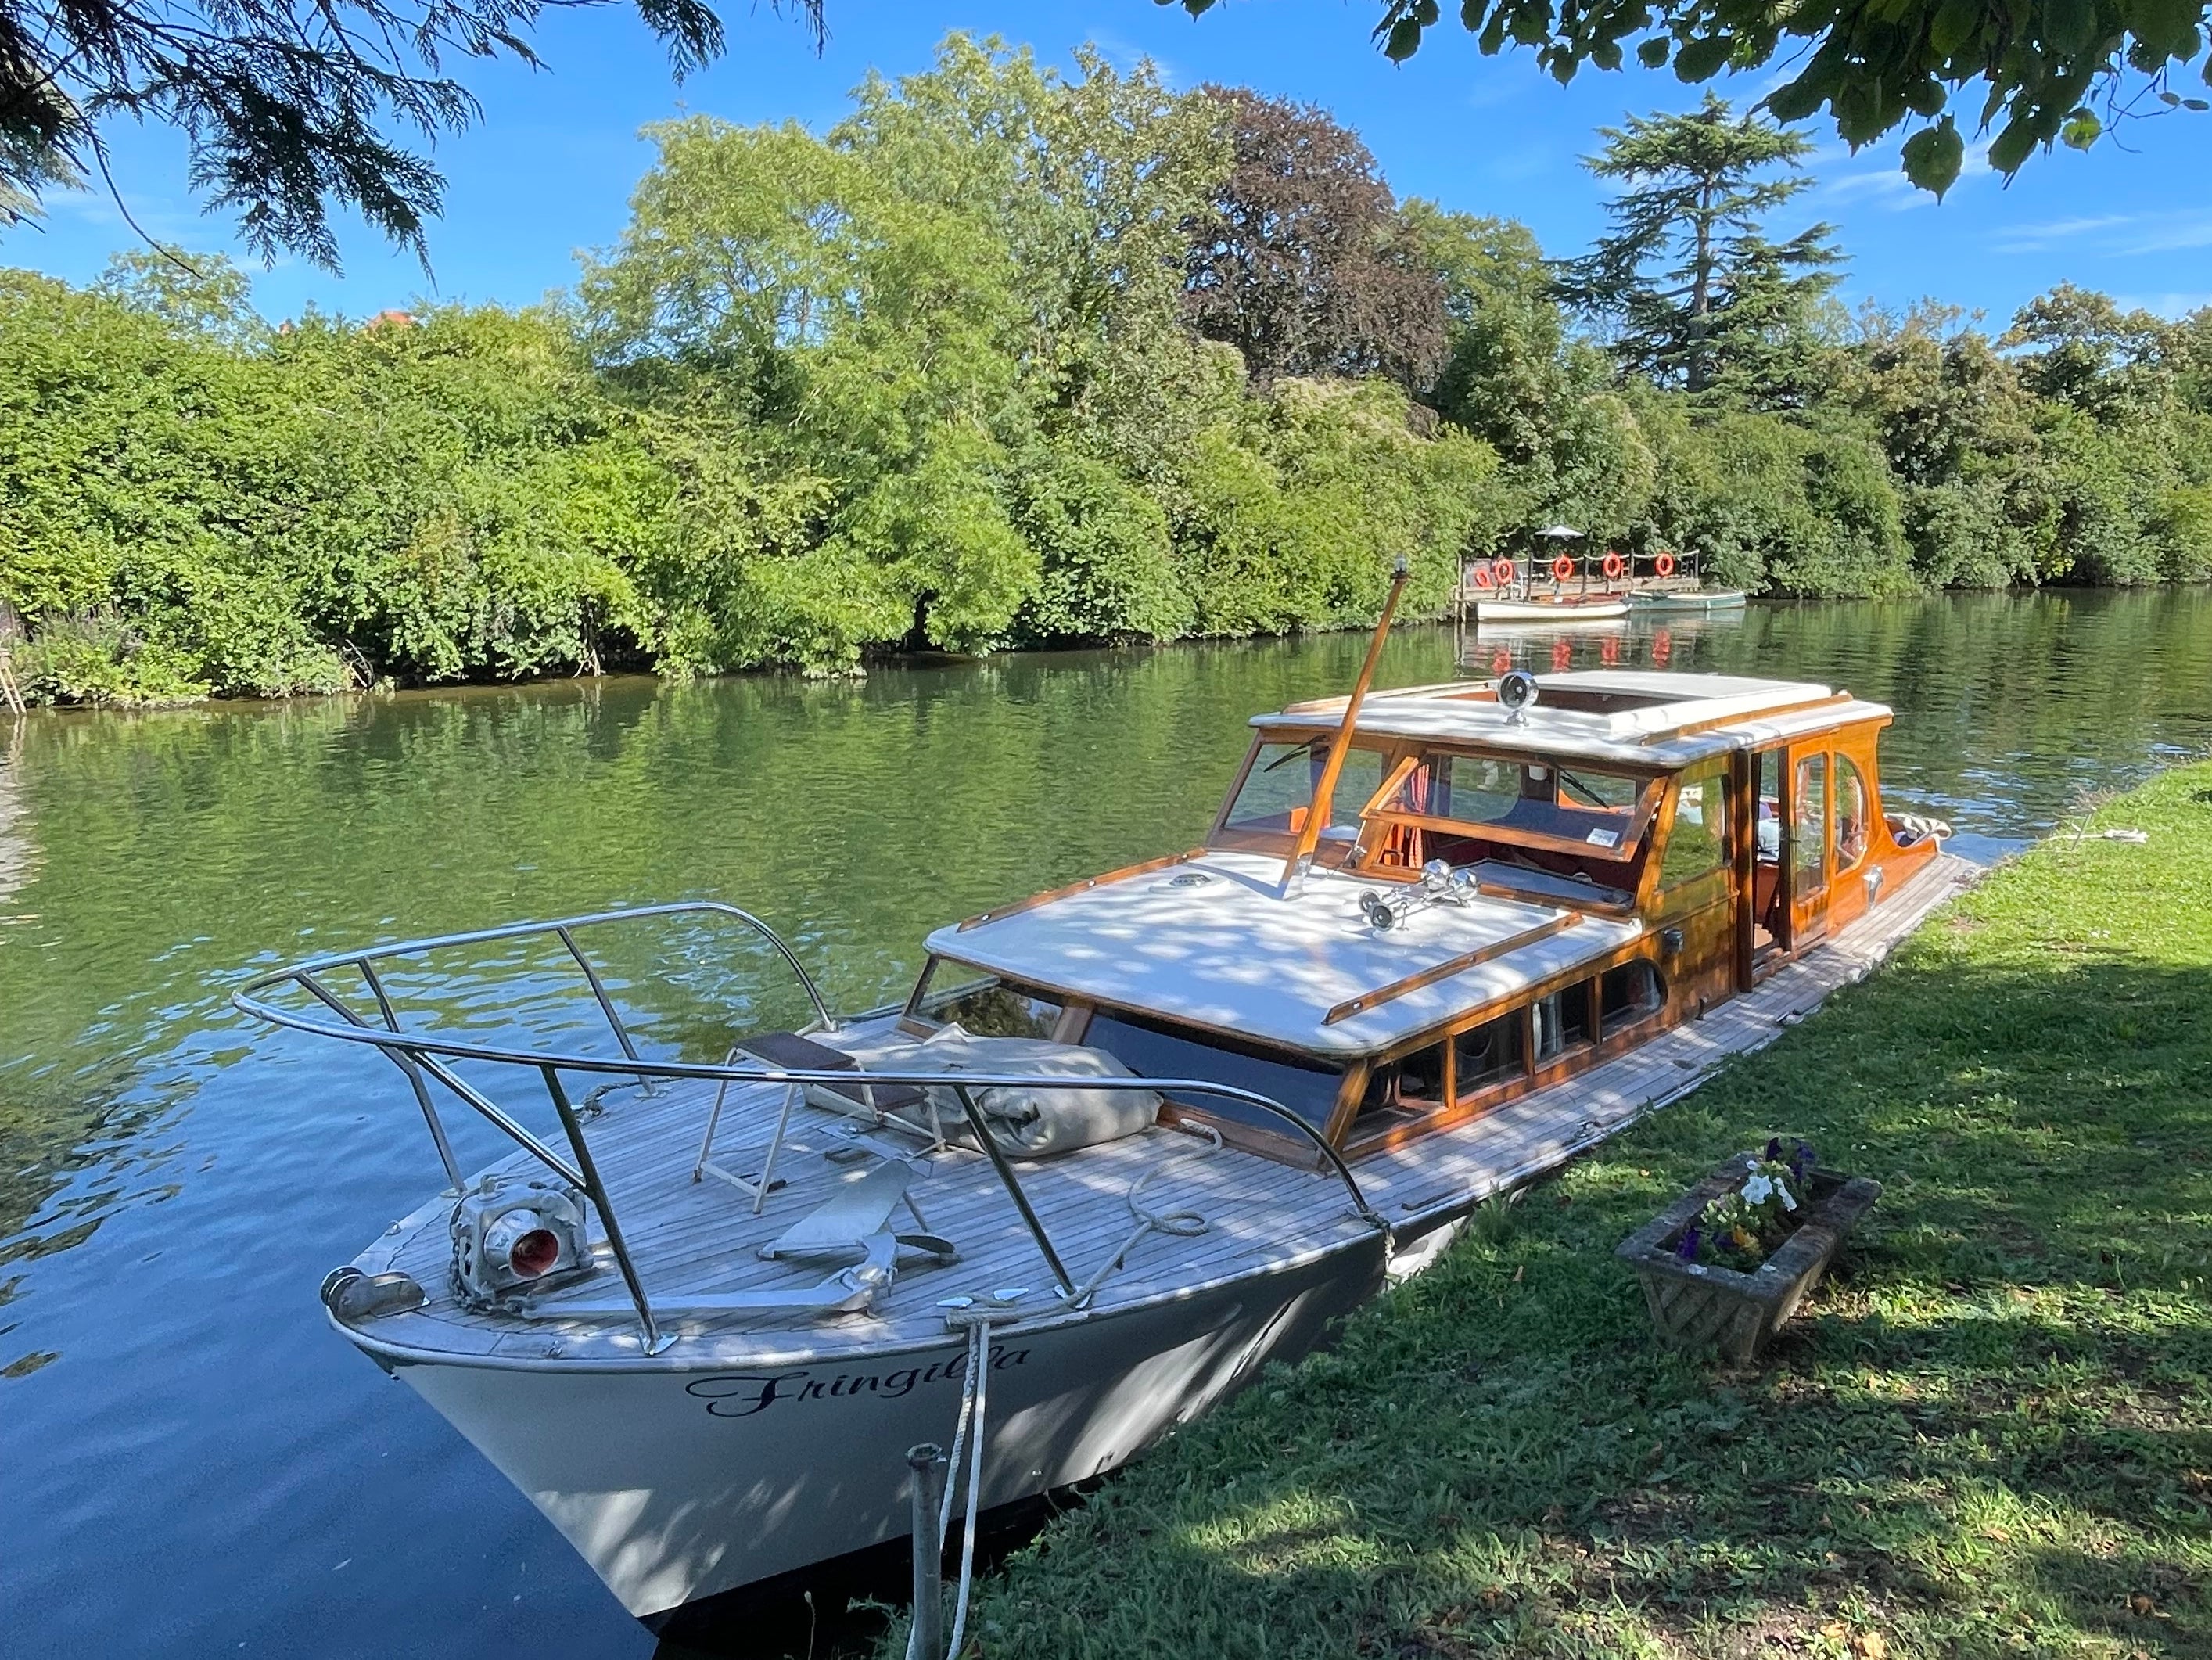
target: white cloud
<point>2177,231</point>
<point>2034,238</point>
<point>1124,56</point>
<point>2124,234</point>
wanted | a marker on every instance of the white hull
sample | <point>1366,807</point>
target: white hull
<point>1544,611</point>
<point>677,1484</point>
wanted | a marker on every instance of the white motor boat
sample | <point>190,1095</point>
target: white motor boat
<point>1124,1143</point>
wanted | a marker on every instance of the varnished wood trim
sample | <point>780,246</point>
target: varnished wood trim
<point>1036,899</point>
<point>1445,970</point>
<point>1834,700</point>
<point>1348,1098</point>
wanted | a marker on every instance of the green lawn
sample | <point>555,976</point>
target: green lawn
<point>1990,1432</point>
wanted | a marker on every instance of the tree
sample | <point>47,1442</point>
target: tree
<point>1692,290</point>
<point>2082,349</point>
<point>1301,261</point>
<point>1087,180</point>
<point>2048,65</point>
<point>1504,372</point>
<point>288,105</point>
<point>207,296</point>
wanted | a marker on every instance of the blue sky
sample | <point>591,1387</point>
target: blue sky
<point>550,169</point>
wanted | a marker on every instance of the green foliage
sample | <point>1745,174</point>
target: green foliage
<point>941,378</point>
<point>1106,568</point>
<point>1287,505</point>
<point>2046,68</point>
<point>214,507</point>
<point>1774,506</point>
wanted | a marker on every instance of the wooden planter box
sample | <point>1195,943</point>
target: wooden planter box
<point>1699,1305</point>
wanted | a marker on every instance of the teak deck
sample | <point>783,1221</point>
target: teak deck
<point>697,1239</point>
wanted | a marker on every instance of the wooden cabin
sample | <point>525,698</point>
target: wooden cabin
<point>1555,885</point>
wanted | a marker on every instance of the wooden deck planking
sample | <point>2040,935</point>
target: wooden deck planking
<point>698,1239</point>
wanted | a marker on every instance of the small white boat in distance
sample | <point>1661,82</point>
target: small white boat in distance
<point>1688,599</point>
<point>1551,613</point>
<point>1123,1143</point>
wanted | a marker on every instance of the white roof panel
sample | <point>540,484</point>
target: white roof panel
<point>1650,729</point>
<point>1228,953</point>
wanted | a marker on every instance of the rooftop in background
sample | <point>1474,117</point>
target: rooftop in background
<point>1641,717</point>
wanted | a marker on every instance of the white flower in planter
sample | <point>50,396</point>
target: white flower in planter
<point>1762,1186</point>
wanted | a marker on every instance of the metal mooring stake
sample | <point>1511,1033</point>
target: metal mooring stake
<point>927,1461</point>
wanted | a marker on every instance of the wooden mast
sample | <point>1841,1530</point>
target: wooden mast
<point>1317,815</point>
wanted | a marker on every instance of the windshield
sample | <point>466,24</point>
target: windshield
<point>1539,804</point>
<point>981,1005</point>
<point>1278,788</point>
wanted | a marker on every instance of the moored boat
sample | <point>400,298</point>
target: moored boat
<point>1123,1142</point>
<point>1551,612</point>
<point>1688,599</point>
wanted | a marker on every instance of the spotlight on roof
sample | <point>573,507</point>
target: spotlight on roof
<point>1517,690</point>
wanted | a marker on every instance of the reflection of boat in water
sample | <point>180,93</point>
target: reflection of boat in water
<point>1124,1142</point>
<point>1691,601</point>
<point>1551,613</point>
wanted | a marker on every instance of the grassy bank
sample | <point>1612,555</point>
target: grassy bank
<point>1990,1433</point>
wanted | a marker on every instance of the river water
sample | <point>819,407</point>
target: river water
<point>191,1464</point>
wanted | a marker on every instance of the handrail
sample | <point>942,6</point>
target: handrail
<point>419,1054</point>
<point>518,930</point>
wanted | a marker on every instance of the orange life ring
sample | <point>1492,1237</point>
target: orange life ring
<point>1563,569</point>
<point>1480,576</point>
<point>1664,564</point>
<point>1614,567</point>
<point>1504,571</point>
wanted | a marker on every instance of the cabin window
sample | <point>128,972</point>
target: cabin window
<point>1421,1075</point>
<point>1307,1088</point>
<point>1563,1022</point>
<point>984,1005</point>
<point>1850,814</point>
<point>1489,1054</point>
<point>1413,1082</point>
<point>1626,994</point>
<point>1698,844</point>
<point>1279,788</point>
<point>1505,801</point>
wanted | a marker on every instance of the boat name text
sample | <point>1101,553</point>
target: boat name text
<point>741,1395</point>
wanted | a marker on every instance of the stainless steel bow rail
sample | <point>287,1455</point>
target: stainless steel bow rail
<point>425,1058</point>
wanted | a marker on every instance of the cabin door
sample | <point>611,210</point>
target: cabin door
<point>1790,848</point>
<point>1808,844</point>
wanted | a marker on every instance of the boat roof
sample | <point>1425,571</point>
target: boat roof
<point>1211,940</point>
<point>1644,718</point>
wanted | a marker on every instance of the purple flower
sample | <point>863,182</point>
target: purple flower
<point>1687,1247</point>
<point>1774,1150</point>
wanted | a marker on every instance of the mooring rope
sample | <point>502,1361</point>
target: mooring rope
<point>979,1371</point>
<point>968,1432</point>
